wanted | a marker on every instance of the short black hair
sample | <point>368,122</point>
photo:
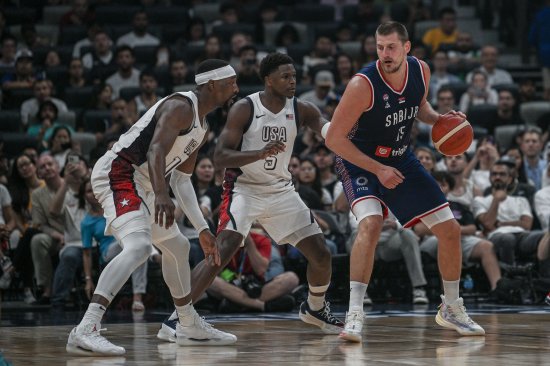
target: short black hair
<point>272,61</point>
<point>446,10</point>
<point>248,47</point>
<point>442,176</point>
<point>124,48</point>
<point>147,72</point>
<point>211,64</point>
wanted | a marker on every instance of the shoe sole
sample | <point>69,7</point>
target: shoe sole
<point>327,328</point>
<point>204,342</point>
<point>355,338</point>
<point>166,335</point>
<point>421,302</point>
<point>76,350</point>
<point>439,320</point>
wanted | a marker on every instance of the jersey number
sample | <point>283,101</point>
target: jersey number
<point>270,163</point>
<point>400,134</point>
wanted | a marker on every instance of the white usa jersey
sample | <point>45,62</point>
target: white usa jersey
<point>134,144</point>
<point>271,173</point>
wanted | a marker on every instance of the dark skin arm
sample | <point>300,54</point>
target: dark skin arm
<point>226,154</point>
<point>174,115</point>
<point>310,117</point>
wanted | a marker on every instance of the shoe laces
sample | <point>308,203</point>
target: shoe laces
<point>207,326</point>
<point>326,313</point>
<point>99,339</point>
<point>354,316</point>
<point>458,310</point>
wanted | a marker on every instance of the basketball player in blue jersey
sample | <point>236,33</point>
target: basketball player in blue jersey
<point>370,133</point>
<point>255,147</point>
<point>130,182</point>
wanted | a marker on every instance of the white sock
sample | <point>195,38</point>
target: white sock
<point>357,291</point>
<point>316,302</point>
<point>93,314</point>
<point>173,316</point>
<point>186,314</point>
<point>450,290</point>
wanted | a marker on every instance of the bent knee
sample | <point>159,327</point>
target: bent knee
<point>290,279</point>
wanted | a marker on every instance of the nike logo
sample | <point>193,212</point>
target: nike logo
<point>261,115</point>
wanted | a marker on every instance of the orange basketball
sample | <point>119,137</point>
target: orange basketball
<point>452,135</point>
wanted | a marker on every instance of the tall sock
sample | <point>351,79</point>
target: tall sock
<point>93,315</point>
<point>186,314</point>
<point>450,290</point>
<point>356,294</point>
<point>316,302</point>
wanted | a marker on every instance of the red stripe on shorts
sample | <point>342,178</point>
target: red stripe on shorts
<point>121,180</point>
<point>225,213</point>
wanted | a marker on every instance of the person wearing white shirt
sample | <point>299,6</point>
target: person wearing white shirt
<point>42,92</point>
<point>507,220</point>
<point>138,36</point>
<point>489,60</point>
<point>126,75</point>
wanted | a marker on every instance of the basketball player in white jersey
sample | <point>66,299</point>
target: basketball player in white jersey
<point>130,183</point>
<point>255,147</point>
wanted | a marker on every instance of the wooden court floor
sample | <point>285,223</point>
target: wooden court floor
<point>511,339</point>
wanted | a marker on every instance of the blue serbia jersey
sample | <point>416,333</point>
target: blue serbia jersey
<point>383,131</point>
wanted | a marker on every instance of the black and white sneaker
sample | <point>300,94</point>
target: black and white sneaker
<point>167,331</point>
<point>322,318</point>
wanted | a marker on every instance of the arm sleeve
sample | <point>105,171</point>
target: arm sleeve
<point>185,195</point>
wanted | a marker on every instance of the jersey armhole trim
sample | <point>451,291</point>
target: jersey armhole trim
<point>249,122</point>
<point>371,91</point>
<point>296,113</point>
<point>423,77</point>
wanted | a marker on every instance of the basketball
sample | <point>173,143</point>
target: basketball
<point>452,135</point>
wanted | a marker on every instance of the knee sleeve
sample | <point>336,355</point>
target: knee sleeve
<point>175,265</point>
<point>137,248</point>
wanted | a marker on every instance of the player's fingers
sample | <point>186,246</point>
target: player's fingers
<point>399,174</point>
<point>161,216</point>
<point>217,259</point>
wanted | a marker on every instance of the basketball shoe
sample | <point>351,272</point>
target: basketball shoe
<point>88,341</point>
<point>322,318</point>
<point>547,299</point>
<point>167,331</point>
<point>354,326</point>
<point>455,317</point>
<point>201,333</point>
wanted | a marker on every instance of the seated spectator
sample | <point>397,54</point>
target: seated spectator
<point>464,53</point>
<point>100,61</point>
<point>255,279</point>
<point>120,122</point>
<point>489,61</point>
<point>228,14</point>
<point>474,248</point>
<point>396,243</point>
<point>46,122</point>
<point>146,98</point>
<point>516,187</point>
<point>321,54</point>
<point>43,91</point>
<point>52,59</point>
<point>195,32</point>
<point>7,225</point>
<point>179,75</point>
<point>445,102</point>
<point>93,28</point>
<point>139,35</point>
<point>367,53</point>
<point>8,51</point>
<point>323,89</point>
<point>535,164</point>
<point>286,35</point>
<point>46,244</point>
<point>103,97</point>
<point>238,40</point>
<point>69,206</point>
<point>463,189</point>
<point>212,49</point>
<point>527,91</point>
<point>31,39</point>
<point>24,76</point>
<point>324,159</point>
<point>249,69</point>
<point>76,77</point>
<point>440,75</point>
<point>126,75</point>
<point>542,203</point>
<point>426,157</point>
<point>60,144</point>
<point>514,154</point>
<point>507,221</point>
<point>80,14</point>
<point>478,93</point>
<point>479,167</point>
<point>309,176</point>
<point>92,228</point>
<point>507,112</point>
<point>445,33</point>
<point>344,69</point>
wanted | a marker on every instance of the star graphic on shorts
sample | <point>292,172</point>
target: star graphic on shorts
<point>124,202</point>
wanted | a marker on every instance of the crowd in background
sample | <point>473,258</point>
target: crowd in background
<point>71,84</point>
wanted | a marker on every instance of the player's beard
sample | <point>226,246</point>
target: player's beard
<point>395,69</point>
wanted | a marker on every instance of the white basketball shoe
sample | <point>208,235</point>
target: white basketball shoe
<point>88,341</point>
<point>201,333</point>
<point>354,326</point>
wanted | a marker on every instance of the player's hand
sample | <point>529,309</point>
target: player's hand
<point>389,177</point>
<point>456,113</point>
<point>209,247</point>
<point>164,210</point>
<point>272,148</point>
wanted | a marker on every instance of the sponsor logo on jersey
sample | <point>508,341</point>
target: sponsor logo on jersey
<point>385,97</point>
<point>401,100</point>
<point>361,181</point>
<point>290,116</point>
<point>383,151</point>
<point>400,151</point>
<point>190,147</point>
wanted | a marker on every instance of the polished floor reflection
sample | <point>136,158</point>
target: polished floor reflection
<point>391,338</point>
